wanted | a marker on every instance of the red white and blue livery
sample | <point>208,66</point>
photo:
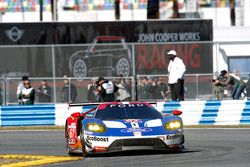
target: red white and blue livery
<point>120,126</point>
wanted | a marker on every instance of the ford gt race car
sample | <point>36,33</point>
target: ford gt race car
<point>119,126</point>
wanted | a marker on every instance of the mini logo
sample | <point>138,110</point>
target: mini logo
<point>14,33</point>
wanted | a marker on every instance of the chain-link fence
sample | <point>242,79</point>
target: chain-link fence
<point>139,63</point>
<point>141,88</point>
<point>64,90</point>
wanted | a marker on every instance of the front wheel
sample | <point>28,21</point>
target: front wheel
<point>84,152</point>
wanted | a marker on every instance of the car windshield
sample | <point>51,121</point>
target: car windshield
<point>127,111</point>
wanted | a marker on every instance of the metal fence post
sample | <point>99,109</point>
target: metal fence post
<point>69,100</point>
<point>197,85</point>
<point>54,72</point>
<point>134,79</point>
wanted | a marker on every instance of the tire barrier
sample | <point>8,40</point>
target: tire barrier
<point>225,112</point>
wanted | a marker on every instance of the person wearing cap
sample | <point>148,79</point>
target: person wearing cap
<point>176,70</point>
<point>106,89</point>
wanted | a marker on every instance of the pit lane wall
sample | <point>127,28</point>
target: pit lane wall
<point>226,112</point>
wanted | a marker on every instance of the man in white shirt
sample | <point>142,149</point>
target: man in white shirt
<point>176,70</point>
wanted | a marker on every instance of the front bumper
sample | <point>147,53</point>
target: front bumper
<point>169,142</point>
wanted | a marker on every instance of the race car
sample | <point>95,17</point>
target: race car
<point>120,126</point>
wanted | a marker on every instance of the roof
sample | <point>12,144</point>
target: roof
<point>109,38</point>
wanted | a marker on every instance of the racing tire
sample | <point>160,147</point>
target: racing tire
<point>123,67</point>
<point>79,69</point>
<point>84,152</point>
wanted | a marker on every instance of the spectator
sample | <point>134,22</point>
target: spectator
<point>176,69</point>
<point>218,87</point>
<point>106,90</point>
<point>122,93</point>
<point>128,85</point>
<point>93,95</point>
<point>20,87</point>
<point>161,89</point>
<point>27,93</point>
<point>142,94</point>
<point>44,92</point>
<point>238,85</point>
<point>146,88</point>
<point>68,92</point>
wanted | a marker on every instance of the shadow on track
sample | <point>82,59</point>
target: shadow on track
<point>137,153</point>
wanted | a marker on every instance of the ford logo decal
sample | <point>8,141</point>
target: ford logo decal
<point>131,130</point>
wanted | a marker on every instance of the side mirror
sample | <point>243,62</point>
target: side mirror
<point>76,114</point>
<point>177,112</point>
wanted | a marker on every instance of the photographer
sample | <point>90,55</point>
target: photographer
<point>106,90</point>
<point>233,80</point>
<point>218,87</point>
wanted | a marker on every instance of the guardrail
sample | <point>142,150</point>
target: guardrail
<point>226,112</point>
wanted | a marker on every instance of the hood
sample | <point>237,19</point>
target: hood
<point>133,123</point>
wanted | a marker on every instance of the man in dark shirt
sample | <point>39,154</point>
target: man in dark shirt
<point>68,92</point>
<point>44,92</point>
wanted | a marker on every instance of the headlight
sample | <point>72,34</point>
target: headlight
<point>173,125</point>
<point>95,127</point>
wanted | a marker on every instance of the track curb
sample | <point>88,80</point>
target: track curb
<point>35,160</point>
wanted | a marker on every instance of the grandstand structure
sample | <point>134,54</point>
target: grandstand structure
<point>103,10</point>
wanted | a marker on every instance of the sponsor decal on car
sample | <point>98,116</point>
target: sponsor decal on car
<point>132,130</point>
<point>94,138</point>
<point>72,125</point>
<point>175,136</point>
<point>126,105</point>
<point>88,132</point>
<point>133,121</point>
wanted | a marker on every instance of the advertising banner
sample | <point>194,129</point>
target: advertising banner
<point>86,32</point>
<point>106,47</point>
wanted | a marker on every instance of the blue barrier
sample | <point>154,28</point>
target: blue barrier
<point>27,115</point>
<point>226,112</point>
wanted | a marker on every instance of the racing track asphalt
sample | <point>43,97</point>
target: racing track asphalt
<point>204,148</point>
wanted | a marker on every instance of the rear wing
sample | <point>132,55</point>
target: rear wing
<point>83,104</point>
<point>83,108</point>
<point>98,103</point>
